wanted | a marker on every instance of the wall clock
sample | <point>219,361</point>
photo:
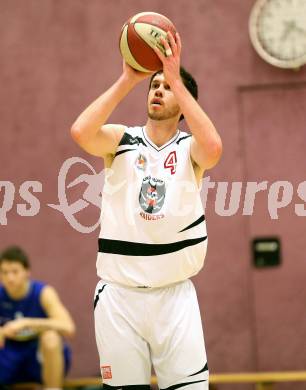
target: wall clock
<point>278,32</point>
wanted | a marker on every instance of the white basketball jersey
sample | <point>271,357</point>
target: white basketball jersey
<point>153,230</point>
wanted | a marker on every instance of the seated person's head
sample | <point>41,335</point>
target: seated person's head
<point>14,269</point>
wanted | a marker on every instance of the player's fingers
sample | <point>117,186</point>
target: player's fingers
<point>158,52</point>
<point>165,43</point>
<point>172,43</point>
<point>178,42</point>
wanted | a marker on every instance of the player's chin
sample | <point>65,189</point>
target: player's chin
<point>157,116</point>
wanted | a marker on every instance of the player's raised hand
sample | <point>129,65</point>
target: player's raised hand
<point>172,58</point>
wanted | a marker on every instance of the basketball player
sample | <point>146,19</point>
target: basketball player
<point>153,235</point>
<point>32,320</point>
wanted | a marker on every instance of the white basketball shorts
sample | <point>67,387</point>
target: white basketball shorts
<point>140,327</point>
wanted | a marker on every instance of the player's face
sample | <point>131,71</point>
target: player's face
<point>13,276</point>
<point>161,100</point>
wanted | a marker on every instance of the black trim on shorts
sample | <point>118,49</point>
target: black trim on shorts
<point>205,368</point>
<point>193,224</point>
<point>98,296</point>
<point>177,386</point>
<point>126,387</point>
<point>128,248</point>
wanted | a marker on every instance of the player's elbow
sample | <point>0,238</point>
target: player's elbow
<point>76,134</point>
<point>213,154</point>
<point>217,150</point>
<point>70,330</point>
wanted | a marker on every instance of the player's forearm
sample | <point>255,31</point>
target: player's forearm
<point>96,114</point>
<point>66,328</point>
<point>198,122</point>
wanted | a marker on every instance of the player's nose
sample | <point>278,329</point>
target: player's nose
<point>159,93</point>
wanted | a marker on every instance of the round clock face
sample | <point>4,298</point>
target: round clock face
<point>278,31</point>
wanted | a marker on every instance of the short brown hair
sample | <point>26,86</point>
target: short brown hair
<point>15,254</point>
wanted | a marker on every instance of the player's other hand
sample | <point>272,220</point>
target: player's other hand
<point>12,328</point>
<point>134,75</point>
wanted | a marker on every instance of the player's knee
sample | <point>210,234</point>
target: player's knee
<point>50,340</point>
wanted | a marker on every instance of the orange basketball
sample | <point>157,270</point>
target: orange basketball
<point>139,34</point>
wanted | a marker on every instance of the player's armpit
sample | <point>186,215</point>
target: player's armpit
<point>104,142</point>
<point>205,156</point>
<point>198,171</point>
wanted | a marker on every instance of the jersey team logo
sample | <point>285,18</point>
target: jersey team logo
<point>152,194</point>
<point>141,162</point>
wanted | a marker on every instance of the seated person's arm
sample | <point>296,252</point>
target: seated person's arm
<point>58,319</point>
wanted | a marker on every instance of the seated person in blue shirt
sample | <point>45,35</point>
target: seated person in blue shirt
<point>32,322</point>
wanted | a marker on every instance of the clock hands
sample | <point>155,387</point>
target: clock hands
<point>288,28</point>
<point>291,26</point>
<point>300,30</point>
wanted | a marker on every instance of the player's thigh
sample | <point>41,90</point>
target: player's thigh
<point>50,340</point>
<point>124,354</point>
<point>178,348</point>
<point>33,365</point>
<point>9,365</point>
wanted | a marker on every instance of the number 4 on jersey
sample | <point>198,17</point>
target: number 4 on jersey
<point>170,162</point>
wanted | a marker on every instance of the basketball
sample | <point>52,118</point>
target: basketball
<point>139,34</point>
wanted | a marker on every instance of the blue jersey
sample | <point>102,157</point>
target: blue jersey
<point>29,306</point>
<point>19,359</point>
